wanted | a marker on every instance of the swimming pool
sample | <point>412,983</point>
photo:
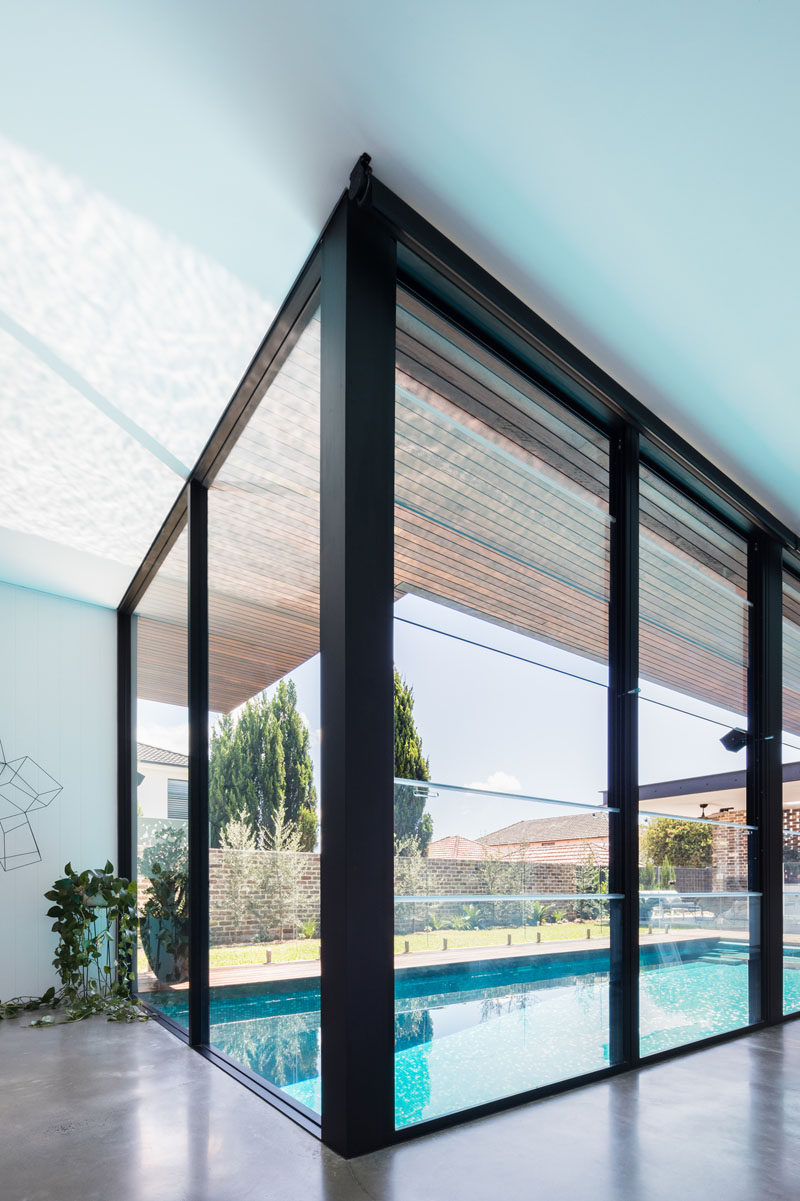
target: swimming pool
<point>476,1031</point>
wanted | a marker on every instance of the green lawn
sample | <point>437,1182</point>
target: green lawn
<point>291,950</point>
<point>431,940</point>
<point>294,950</point>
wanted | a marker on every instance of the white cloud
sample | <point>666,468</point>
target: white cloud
<point>498,781</point>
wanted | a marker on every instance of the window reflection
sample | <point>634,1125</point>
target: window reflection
<point>698,921</point>
<point>502,910</point>
<point>161,798</point>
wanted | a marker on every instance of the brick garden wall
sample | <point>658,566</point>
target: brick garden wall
<point>729,854</point>
<point>251,918</point>
<point>435,877</point>
<point>424,877</point>
<point>694,879</point>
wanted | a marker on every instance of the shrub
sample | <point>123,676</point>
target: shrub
<point>668,840</point>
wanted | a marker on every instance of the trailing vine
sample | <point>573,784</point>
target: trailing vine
<point>94,915</point>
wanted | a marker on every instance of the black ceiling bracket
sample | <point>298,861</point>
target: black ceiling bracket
<point>360,188</point>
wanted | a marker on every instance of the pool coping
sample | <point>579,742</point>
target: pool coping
<point>283,976</point>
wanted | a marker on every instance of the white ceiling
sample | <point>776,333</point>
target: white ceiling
<point>629,169</point>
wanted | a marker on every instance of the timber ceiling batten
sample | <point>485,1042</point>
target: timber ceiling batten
<point>791,655</point>
<point>264,537</point>
<point>263,553</point>
<point>693,599</point>
<point>162,650</point>
<point>501,512</point>
<point>501,498</point>
<point>516,532</point>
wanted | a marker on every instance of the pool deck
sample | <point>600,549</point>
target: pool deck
<point>261,973</point>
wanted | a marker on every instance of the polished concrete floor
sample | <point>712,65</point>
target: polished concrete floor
<point>98,1112</point>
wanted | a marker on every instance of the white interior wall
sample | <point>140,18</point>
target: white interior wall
<point>57,705</point>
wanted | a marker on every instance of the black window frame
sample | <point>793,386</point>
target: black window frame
<point>373,243</point>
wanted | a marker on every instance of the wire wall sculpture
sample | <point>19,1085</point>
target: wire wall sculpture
<point>24,788</point>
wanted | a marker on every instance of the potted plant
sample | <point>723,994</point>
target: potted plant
<point>94,915</point>
<point>164,918</point>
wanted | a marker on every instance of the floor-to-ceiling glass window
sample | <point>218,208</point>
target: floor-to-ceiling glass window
<point>698,921</point>
<point>502,939</point>
<point>160,799</point>
<point>791,793</point>
<point>264,766</point>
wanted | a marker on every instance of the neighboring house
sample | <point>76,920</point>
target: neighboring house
<point>163,782</point>
<point>456,847</point>
<point>574,838</point>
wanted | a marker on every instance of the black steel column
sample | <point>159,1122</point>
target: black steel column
<point>357,502</point>
<point>198,764</point>
<point>125,764</point>
<point>623,745</point>
<point>764,776</point>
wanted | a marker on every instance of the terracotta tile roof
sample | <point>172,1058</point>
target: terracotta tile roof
<point>454,846</point>
<point>550,829</point>
<point>156,754</point>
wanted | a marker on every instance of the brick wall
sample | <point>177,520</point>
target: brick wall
<point>791,846</point>
<point>240,912</point>
<point>729,853</point>
<point>694,879</point>
<point>254,918</point>
<point>229,873</point>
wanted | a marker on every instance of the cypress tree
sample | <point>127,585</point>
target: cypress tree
<point>260,761</point>
<point>413,828</point>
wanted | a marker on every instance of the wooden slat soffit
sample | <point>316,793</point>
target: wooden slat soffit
<point>501,511</point>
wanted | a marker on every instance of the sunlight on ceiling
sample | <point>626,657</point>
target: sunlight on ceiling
<point>119,348</point>
<point>624,168</point>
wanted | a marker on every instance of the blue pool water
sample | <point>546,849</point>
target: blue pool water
<point>473,1032</point>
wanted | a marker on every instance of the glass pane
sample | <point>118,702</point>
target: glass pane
<point>698,919</point>
<point>162,766</point>
<point>502,913</point>
<point>264,770</point>
<point>791,794</point>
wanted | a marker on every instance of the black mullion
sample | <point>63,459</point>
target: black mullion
<point>198,764</point>
<point>165,539</point>
<point>125,765</point>
<point>356,609</point>
<point>764,777</point>
<point>125,761</point>
<point>623,791</point>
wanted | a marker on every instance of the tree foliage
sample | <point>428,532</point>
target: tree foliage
<point>262,758</point>
<point>278,878</point>
<point>260,761</point>
<point>238,842</point>
<point>263,872</point>
<point>413,827</point>
<point>672,841</point>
